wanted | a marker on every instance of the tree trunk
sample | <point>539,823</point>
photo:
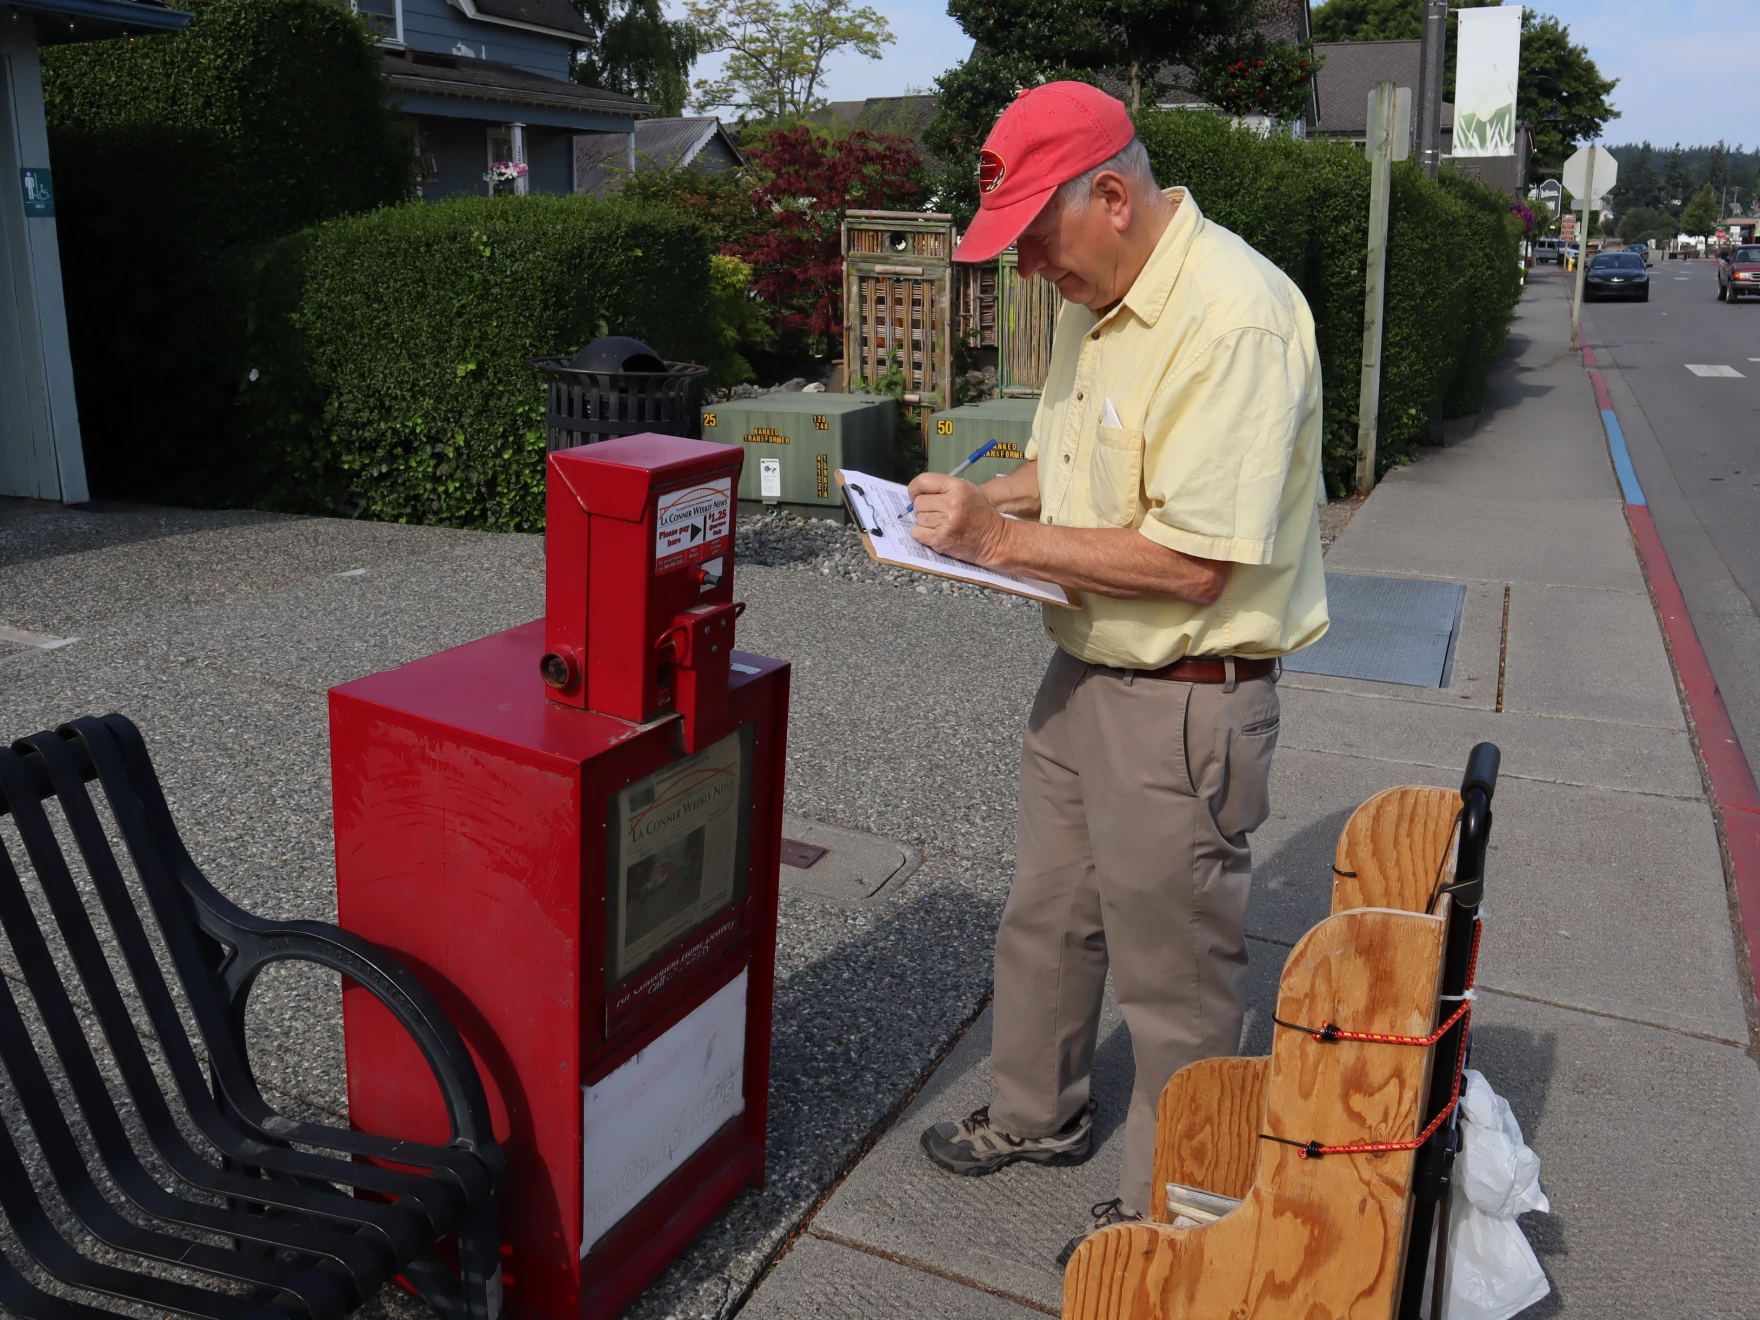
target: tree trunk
<point>1136,86</point>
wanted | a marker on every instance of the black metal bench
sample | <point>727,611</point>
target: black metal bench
<point>238,1210</point>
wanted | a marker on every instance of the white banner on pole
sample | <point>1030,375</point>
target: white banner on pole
<point>1489,53</point>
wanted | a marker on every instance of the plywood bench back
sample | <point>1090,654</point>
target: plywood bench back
<point>1396,850</point>
<point>1313,1238</point>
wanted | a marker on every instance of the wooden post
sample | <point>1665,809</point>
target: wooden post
<point>1380,145</point>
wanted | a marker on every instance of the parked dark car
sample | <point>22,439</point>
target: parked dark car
<point>1617,275</point>
<point>1738,273</point>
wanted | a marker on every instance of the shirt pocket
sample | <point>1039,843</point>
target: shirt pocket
<point>1115,476</point>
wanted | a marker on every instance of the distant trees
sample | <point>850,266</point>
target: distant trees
<point>1700,216</point>
<point>1643,223</point>
<point>638,51</point>
<point>776,52</point>
<point>1135,45</point>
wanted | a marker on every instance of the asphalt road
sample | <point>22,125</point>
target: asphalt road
<point>1695,444</point>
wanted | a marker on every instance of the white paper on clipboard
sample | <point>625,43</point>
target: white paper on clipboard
<point>878,507</point>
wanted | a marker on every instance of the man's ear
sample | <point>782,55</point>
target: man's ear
<point>1114,194</point>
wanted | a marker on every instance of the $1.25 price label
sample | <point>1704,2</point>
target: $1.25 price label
<point>693,524</point>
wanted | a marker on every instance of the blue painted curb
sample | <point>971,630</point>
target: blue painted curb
<point>1622,459</point>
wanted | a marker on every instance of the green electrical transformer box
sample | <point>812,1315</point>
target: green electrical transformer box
<point>954,434</point>
<point>795,442</point>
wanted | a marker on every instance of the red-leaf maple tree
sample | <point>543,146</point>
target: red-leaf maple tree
<point>796,255</point>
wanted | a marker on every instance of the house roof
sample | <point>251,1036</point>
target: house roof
<point>1348,71</point>
<point>62,21</point>
<point>602,159</point>
<point>490,80</point>
<point>557,15</point>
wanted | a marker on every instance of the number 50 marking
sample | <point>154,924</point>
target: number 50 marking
<point>944,426</point>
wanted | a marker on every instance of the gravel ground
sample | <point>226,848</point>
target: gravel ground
<point>834,550</point>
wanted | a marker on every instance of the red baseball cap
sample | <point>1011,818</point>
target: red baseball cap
<point>1050,135</point>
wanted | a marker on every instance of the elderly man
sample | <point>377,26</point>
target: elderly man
<point>1172,481</point>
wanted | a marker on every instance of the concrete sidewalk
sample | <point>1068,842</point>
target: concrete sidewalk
<point>1613,1013</point>
<point>1615,1023</point>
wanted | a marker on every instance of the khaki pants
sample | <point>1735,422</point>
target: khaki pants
<point>1137,796</point>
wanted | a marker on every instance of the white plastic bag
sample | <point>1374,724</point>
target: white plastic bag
<point>1492,1271</point>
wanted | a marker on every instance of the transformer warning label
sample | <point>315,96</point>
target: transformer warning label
<point>693,524</point>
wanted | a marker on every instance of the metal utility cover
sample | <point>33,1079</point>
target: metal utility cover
<point>855,867</point>
<point>1386,630</point>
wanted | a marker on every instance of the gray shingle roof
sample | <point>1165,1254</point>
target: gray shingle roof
<point>602,159</point>
<point>556,15</point>
<point>490,80</point>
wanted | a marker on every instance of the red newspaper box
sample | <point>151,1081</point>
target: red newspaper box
<point>570,832</point>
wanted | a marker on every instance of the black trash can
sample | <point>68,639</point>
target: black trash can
<point>615,386</point>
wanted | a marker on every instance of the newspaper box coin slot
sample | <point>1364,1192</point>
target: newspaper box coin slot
<point>571,832</point>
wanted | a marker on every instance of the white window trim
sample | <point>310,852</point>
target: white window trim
<point>395,37</point>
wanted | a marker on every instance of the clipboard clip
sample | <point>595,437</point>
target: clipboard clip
<point>855,512</point>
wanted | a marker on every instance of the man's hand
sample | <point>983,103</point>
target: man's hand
<point>954,518</point>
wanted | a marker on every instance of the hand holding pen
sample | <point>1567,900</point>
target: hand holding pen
<point>975,455</point>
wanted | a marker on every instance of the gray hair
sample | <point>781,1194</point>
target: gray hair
<point>1132,162</point>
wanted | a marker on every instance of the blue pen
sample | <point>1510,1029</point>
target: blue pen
<point>975,456</point>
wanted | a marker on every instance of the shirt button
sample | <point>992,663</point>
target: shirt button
<point>1078,396</point>
<point>1094,335</point>
<point>1066,458</point>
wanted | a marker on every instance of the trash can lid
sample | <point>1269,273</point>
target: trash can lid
<point>617,353</point>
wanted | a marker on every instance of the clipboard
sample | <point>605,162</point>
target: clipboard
<point>867,499</point>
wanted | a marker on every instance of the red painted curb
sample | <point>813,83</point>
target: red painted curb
<point>1603,400</point>
<point>1732,781</point>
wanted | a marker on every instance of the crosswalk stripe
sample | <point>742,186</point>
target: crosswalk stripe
<point>1701,369</point>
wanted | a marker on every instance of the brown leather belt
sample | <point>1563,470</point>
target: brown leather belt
<point>1206,669</point>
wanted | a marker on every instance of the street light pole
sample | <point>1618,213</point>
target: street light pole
<point>1430,63</point>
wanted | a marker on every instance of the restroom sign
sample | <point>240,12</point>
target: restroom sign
<point>39,193</point>
<point>693,524</point>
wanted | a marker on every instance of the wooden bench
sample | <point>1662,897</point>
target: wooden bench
<point>1344,1233</point>
<point>196,1196</point>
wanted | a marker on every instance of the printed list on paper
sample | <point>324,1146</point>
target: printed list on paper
<point>880,507</point>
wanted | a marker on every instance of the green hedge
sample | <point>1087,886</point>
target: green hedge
<point>1452,268</point>
<point>175,156</point>
<point>392,350</point>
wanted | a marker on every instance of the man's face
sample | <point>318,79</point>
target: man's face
<point>1075,248</point>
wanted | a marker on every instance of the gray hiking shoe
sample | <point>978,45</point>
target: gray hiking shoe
<point>974,1146</point>
<point>1105,1214</point>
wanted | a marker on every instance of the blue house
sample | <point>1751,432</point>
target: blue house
<point>488,80</point>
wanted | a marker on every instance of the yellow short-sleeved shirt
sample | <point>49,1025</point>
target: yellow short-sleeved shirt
<point>1210,364</point>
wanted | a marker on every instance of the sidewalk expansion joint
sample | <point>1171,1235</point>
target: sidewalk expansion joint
<point>1614,1017</point>
<point>1505,773</point>
<point>1503,649</point>
<point>907,1261</point>
<point>860,1153</point>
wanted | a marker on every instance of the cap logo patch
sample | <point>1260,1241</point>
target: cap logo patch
<point>990,171</point>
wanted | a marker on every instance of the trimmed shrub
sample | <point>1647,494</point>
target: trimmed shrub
<point>392,351</point>
<point>1452,268</point>
<point>175,155</point>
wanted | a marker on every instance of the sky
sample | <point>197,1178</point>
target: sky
<point>1673,84</point>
